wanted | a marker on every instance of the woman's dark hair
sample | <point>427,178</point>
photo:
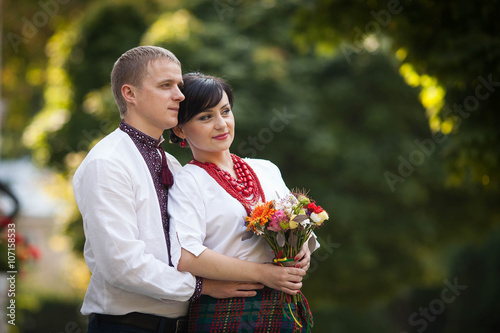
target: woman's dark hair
<point>201,92</point>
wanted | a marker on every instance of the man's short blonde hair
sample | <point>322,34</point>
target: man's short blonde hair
<point>131,67</point>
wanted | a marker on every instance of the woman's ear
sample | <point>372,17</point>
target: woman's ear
<point>128,93</point>
<point>179,132</point>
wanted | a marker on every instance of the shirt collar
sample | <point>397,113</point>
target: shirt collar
<point>135,134</point>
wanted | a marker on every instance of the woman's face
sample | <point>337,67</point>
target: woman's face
<point>210,131</point>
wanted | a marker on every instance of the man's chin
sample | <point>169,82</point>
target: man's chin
<point>171,123</point>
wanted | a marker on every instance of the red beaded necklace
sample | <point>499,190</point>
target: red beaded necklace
<point>246,189</point>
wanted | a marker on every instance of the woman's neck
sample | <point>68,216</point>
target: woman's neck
<point>222,159</point>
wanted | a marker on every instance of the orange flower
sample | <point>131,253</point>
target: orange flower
<point>261,214</point>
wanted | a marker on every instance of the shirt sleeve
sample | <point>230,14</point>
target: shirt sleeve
<point>187,212</point>
<point>105,196</point>
<point>280,187</point>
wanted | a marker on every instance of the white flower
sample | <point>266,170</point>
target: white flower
<point>315,218</point>
<point>259,229</point>
<point>319,218</point>
<point>305,223</point>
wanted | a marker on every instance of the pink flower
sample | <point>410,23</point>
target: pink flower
<point>277,217</point>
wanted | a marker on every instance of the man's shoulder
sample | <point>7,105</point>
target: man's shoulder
<point>110,143</point>
<point>115,148</point>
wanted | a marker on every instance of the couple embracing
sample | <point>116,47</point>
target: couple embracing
<point>164,242</point>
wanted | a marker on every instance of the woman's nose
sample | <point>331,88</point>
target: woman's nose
<point>220,122</point>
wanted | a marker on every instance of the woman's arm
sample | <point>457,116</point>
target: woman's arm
<point>212,265</point>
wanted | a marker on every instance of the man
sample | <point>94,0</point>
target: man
<point>121,190</point>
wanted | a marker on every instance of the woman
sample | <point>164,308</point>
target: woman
<point>208,203</point>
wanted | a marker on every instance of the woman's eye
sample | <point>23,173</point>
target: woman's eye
<point>226,111</point>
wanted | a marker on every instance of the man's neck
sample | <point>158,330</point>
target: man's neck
<point>140,125</point>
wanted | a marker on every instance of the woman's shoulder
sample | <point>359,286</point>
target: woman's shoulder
<point>258,161</point>
<point>261,164</point>
<point>189,171</point>
<point>192,174</point>
<point>188,180</point>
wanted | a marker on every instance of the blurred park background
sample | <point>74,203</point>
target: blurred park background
<point>388,111</point>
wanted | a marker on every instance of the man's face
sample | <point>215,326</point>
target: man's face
<point>157,99</point>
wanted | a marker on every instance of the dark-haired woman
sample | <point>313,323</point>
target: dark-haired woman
<point>208,203</point>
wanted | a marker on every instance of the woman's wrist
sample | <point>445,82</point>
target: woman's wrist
<point>260,273</point>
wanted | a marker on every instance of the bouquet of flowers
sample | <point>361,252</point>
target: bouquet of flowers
<point>286,225</point>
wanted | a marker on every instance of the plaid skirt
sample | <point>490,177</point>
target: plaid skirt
<point>262,313</point>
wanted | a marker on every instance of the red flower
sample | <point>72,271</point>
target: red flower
<point>313,208</point>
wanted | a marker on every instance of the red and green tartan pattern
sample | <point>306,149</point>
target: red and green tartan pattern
<point>262,313</point>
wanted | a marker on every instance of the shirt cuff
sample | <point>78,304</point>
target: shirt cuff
<point>313,243</point>
<point>197,289</point>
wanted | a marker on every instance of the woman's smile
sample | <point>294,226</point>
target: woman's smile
<point>221,136</point>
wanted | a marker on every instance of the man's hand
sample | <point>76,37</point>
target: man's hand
<point>228,289</point>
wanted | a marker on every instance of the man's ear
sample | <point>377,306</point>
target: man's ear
<point>179,132</point>
<point>128,93</point>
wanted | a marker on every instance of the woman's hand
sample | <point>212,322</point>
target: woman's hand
<point>303,258</point>
<point>286,279</point>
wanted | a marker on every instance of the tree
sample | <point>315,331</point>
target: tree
<point>456,42</point>
<point>26,28</point>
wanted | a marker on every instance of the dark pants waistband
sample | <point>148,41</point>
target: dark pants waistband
<point>144,321</point>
